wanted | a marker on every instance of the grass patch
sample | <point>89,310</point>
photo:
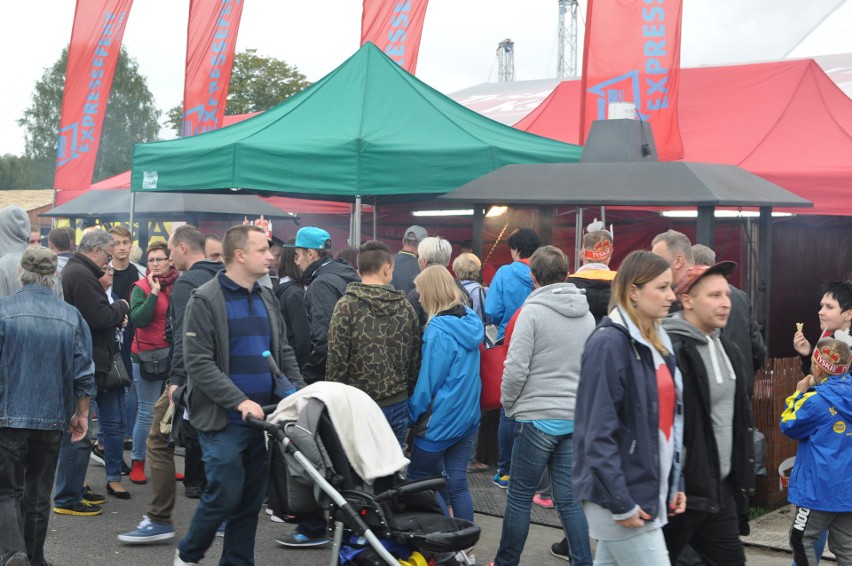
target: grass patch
<point>755,512</point>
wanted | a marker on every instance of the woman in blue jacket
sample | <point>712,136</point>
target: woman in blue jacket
<point>444,408</point>
<point>628,421</point>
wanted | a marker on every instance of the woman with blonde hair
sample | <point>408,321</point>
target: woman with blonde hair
<point>444,408</point>
<point>628,427</point>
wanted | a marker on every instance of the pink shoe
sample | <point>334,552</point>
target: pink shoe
<point>543,501</point>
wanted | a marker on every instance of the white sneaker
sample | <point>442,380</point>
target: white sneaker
<point>179,562</point>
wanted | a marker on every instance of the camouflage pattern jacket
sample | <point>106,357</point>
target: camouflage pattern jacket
<point>374,342</point>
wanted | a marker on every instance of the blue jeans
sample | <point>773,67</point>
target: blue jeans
<point>235,466</point>
<point>129,409</point>
<point>111,423</point>
<point>147,393</point>
<point>452,463</point>
<point>397,416</point>
<point>534,451</point>
<point>71,469</point>
<point>27,466</point>
<point>505,440</point>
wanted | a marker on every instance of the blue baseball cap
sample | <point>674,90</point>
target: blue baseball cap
<point>312,238</point>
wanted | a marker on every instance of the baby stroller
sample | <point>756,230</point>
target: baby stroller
<point>333,450</point>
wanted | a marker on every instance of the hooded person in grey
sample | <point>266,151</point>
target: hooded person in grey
<point>540,380</point>
<point>14,239</point>
<point>718,465</point>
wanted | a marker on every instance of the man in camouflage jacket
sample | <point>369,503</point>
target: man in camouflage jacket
<point>374,338</point>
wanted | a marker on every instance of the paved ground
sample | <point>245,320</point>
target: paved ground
<point>76,541</point>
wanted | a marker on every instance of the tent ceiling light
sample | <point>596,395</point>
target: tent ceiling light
<point>721,214</point>
<point>460,212</point>
<point>495,211</point>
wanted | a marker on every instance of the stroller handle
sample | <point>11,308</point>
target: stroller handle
<point>271,428</point>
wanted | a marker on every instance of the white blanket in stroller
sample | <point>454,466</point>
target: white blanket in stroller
<point>366,437</point>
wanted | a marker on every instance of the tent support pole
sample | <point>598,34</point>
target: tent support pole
<point>478,229</point>
<point>375,217</point>
<point>704,231</point>
<point>132,210</point>
<point>356,223</point>
<point>764,266</point>
<point>578,237</point>
<point>545,224</point>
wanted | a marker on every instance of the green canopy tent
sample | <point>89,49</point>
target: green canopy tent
<point>368,128</point>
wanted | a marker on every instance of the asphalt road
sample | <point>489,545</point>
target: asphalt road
<point>91,541</point>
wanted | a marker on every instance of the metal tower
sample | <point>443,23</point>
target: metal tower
<point>506,61</point>
<point>566,60</point>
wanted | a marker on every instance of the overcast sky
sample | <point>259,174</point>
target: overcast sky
<point>458,49</point>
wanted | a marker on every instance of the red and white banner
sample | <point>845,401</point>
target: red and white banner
<point>395,26</point>
<point>632,54</point>
<point>92,56</point>
<point>210,43</point>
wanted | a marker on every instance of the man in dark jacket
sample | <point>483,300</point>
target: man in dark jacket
<point>82,289</point>
<point>230,322</point>
<point>186,250</point>
<point>405,266</point>
<point>374,338</point>
<point>742,328</point>
<point>718,467</point>
<point>595,276</point>
<point>326,281</point>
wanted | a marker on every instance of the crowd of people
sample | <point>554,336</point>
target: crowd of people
<point>625,395</point>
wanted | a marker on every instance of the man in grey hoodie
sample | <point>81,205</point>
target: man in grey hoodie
<point>14,239</point>
<point>718,463</point>
<point>540,380</point>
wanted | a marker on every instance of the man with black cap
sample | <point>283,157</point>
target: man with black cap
<point>718,467</point>
<point>405,267</point>
<point>326,281</point>
<point>43,393</point>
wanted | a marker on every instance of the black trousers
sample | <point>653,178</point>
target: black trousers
<point>714,536</point>
<point>27,466</point>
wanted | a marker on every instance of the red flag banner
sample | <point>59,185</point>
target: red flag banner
<point>395,26</point>
<point>92,55</point>
<point>632,54</point>
<point>210,43</point>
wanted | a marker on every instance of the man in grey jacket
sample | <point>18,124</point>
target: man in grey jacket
<point>540,380</point>
<point>230,322</point>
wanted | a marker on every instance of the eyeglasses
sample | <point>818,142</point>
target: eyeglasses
<point>109,270</point>
<point>158,259</point>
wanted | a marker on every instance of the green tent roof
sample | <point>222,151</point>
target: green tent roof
<point>367,128</point>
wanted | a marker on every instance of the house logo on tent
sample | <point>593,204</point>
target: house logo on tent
<point>623,88</point>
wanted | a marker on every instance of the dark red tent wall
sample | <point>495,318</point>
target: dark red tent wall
<point>785,121</point>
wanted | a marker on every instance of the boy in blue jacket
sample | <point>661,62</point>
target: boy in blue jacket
<point>819,415</point>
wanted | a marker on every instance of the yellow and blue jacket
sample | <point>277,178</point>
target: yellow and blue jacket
<point>821,420</point>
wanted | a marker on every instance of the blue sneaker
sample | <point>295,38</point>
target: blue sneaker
<point>297,539</point>
<point>501,480</point>
<point>148,531</point>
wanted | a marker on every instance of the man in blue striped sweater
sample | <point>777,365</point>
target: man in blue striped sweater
<point>230,321</point>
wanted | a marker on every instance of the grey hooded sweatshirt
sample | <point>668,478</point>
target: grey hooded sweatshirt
<point>542,369</point>
<point>721,380</point>
<point>14,239</point>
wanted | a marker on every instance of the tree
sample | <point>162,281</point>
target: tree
<point>25,173</point>
<point>131,117</point>
<point>257,83</point>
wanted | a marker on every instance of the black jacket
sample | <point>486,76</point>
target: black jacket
<point>326,280</point>
<point>743,330</point>
<point>291,299</point>
<point>82,289</point>
<point>701,457</point>
<point>197,275</point>
<point>598,292</point>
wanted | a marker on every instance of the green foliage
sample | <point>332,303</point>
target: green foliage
<point>131,118</point>
<point>25,173</point>
<point>257,84</point>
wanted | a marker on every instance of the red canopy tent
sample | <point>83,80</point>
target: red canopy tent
<point>785,121</point>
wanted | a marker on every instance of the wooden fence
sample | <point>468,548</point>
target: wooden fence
<point>772,385</point>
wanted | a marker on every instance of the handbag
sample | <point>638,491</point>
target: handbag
<point>117,375</point>
<point>154,364</point>
<point>491,362</point>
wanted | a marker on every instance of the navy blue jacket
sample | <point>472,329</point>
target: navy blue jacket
<point>616,423</point>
